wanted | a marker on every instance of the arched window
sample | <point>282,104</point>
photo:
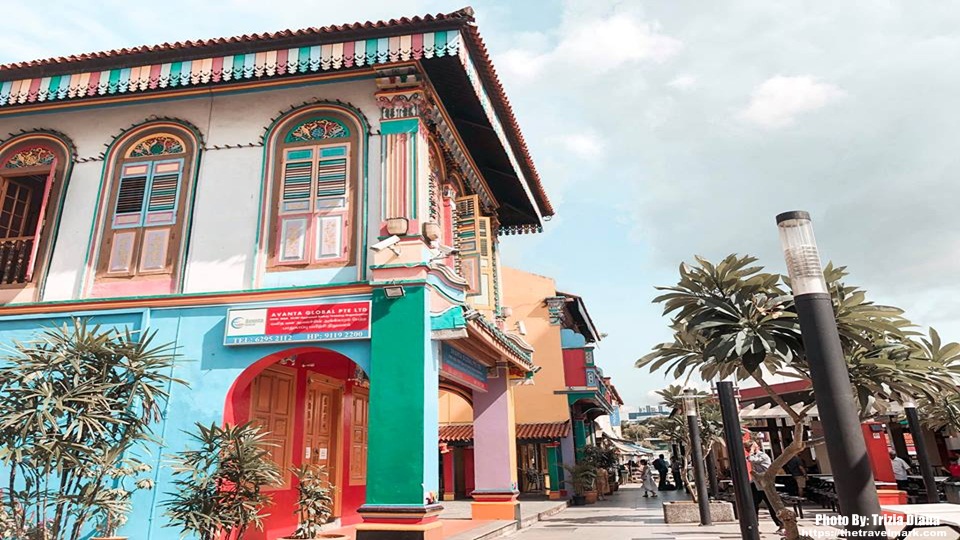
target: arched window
<point>32,170</point>
<point>316,160</point>
<point>147,205</point>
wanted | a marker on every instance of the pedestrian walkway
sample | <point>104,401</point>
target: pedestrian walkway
<point>457,524</point>
<point>627,515</point>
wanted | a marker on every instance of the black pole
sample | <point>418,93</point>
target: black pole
<point>776,446</point>
<point>856,490</point>
<point>896,437</point>
<point>712,473</point>
<point>746,512</point>
<point>699,477</point>
<point>920,444</point>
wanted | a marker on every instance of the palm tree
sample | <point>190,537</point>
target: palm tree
<point>673,428</point>
<point>732,319</point>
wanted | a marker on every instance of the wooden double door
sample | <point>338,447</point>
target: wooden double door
<point>273,406</point>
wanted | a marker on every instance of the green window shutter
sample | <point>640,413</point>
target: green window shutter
<point>164,190</point>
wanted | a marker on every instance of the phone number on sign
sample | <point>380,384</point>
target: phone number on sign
<point>325,336</point>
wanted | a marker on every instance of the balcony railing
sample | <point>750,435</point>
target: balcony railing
<point>14,259</point>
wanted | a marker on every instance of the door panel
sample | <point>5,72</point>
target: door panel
<point>358,443</point>
<point>271,407</point>
<point>322,421</point>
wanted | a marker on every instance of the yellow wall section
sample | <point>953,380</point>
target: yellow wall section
<point>454,409</point>
<point>525,293</point>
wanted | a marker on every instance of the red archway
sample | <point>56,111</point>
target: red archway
<point>314,403</point>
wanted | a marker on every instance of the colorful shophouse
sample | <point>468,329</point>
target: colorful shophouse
<point>555,411</point>
<point>313,216</point>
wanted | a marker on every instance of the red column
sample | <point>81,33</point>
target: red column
<point>468,474</point>
<point>449,487</point>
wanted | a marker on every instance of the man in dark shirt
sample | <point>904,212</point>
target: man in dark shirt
<point>798,474</point>
<point>660,465</point>
<point>677,467</point>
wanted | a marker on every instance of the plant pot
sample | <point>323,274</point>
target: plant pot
<point>398,225</point>
<point>591,496</point>
<point>578,500</point>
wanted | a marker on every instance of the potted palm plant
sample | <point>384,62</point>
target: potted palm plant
<point>219,486</point>
<point>314,503</point>
<point>76,402</point>
<point>583,476</point>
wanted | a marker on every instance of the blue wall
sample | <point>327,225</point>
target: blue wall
<point>206,364</point>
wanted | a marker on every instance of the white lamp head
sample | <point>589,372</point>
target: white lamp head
<point>801,254</point>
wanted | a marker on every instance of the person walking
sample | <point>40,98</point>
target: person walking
<point>759,463</point>
<point>660,465</point>
<point>677,467</point>
<point>901,470</point>
<point>646,479</point>
<point>798,474</point>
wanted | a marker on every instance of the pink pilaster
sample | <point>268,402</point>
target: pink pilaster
<point>495,455</point>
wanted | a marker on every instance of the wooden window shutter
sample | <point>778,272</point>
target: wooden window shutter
<point>131,193</point>
<point>331,194</point>
<point>164,190</point>
<point>476,251</point>
<point>41,221</point>
<point>484,298</point>
<point>468,233</point>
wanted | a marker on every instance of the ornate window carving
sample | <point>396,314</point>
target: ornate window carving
<point>314,190</point>
<point>146,205</point>
<point>31,185</point>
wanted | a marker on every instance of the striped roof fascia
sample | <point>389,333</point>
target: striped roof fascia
<point>229,68</point>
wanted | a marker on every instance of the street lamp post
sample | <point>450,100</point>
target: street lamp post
<point>920,444</point>
<point>733,438</point>
<point>696,450</point>
<point>856,491</point>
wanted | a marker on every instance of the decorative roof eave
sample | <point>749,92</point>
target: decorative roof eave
<point>473,75</point>
<point>473,40</point>
<point>586,393</point>
<point>488,332</point>
<point>613,390</point>
<point>149,54</point>
<point>582,316</point>
<point>228,68</point>
<point>436,116</point>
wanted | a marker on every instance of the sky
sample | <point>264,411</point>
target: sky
<point>673,128</point>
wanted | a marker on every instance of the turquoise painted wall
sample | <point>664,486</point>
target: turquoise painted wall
<point>571,340</point>
<point>206,364</point>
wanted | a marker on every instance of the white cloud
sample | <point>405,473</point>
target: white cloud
<point>778,101</point>
<point>587,145</point>
<point>683,82</point>
<point>593,47</point>
<point>605,44</point>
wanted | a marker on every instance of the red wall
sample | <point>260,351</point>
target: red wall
<point>575,367</point>
<point>282,521</point>
<point>878,451</point>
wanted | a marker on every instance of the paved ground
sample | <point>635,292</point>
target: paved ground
<point>627,515</point>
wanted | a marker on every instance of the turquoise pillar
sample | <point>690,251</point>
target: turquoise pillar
<point>554,469</point>
<point>579,437</point>
<point>402,462</point>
